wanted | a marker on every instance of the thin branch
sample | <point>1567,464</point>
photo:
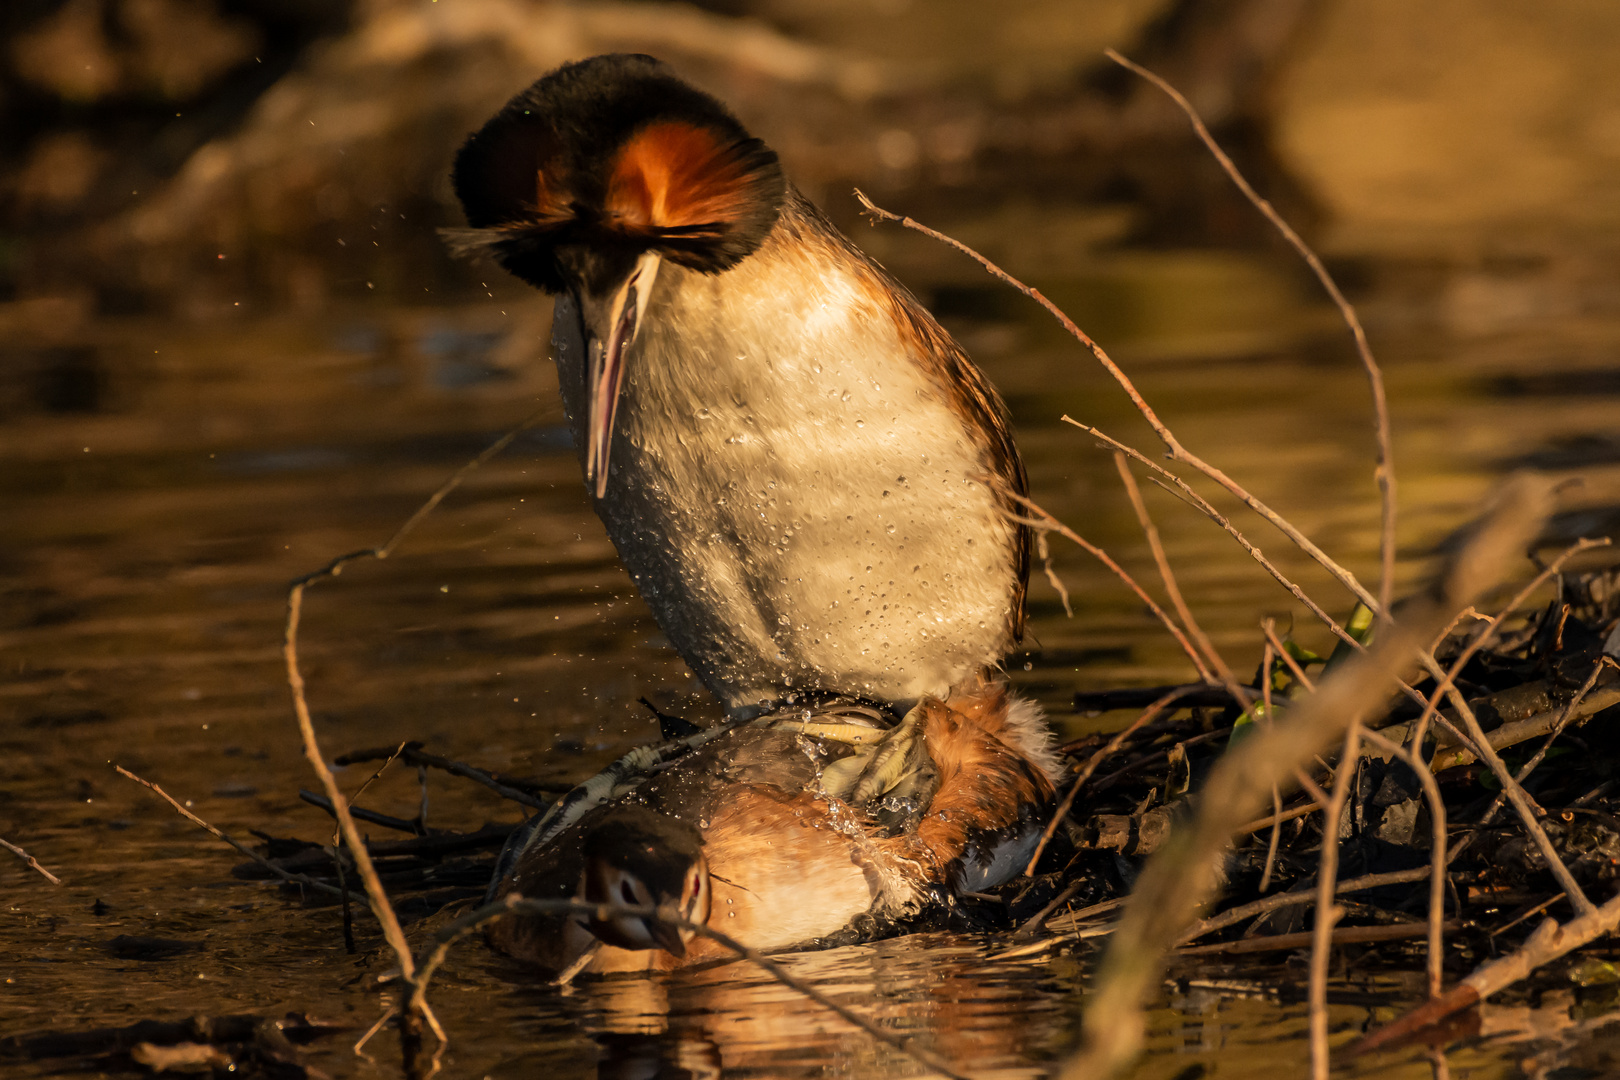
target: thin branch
<point>388,1014</point>
<point>415,827</point>
<point>456,479</point>
<point>415,755</point>
<point>378,897</point>
<point>1277,818</point>
<point>514,904</point>
<point>297,879</point>
<point>477,775</point>
<point>1530,914</point>
<point>370,817</point>
<point>1168,576</point>
<point>1233,916</point>
<point>1375,377</point>
<point>1276,791</point>
<point>1046,522</point>
<point>1159,755</point>
<point>1327,912</point>
<point>30,860</point>
<point>1488,632</point>
<point>1343,935</point>
<point>1208,510</point>
<point>1309,785</point>
<point>1269,628</point>
<point>1044,550</point>
<point>1038,920</point>
<point>1097,759</point>
<point>1437,854</point>
<point>380,907</point>
<point>1177,452</point>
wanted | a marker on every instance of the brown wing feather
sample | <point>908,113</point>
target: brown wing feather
<point>984,785</point>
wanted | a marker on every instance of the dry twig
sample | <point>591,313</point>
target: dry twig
<point>1343,935</point>
<point>1233,916</point>
<point>378,897</point>
<point>1095,760</point>
<point>1327,912</point>
<point>30,860</point>
<point>1044,549</point>
<point>375,893</point>
<point>1375,377</point>
<point>297,879</point>
<point>1045,522</point>
<point>1276,792</point>
<point>1203,505</point>
<point>1168,576</point>
<point>1437,854</point>
<point>415,755</point>
<point>1182,874</point>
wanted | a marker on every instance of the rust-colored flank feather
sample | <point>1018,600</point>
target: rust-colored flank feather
<point>984,784</point>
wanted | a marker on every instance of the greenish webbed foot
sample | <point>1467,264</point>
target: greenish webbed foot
<point>890,776</point>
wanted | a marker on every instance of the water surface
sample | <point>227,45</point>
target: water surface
<point>163,482</point>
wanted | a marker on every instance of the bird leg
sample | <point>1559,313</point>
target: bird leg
<point>895,773</point>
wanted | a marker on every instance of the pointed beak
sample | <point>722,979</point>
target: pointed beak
<point>670,938</point>
<point>604,368</point>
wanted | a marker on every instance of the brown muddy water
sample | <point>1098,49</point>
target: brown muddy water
<point>162,483</point>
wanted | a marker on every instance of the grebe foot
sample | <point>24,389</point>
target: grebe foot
<point>895,774</point>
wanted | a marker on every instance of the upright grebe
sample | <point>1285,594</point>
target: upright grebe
<point>804,474</point>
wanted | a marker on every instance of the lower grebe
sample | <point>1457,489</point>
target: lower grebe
<point>811,827</point>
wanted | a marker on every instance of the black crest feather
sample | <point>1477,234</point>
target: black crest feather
<point>617,155</point>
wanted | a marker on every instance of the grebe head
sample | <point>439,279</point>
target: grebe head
<point>592,178</point>
<point>646,859</point>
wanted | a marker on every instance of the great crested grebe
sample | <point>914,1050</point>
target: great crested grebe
<point>761,835</point>
<point>807,479</point>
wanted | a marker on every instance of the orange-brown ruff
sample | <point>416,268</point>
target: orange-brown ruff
<point>805,476</point>
<point>790,866</point>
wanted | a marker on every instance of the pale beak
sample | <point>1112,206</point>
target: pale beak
<point>604,368</point>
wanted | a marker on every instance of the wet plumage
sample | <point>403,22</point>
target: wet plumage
<point>789,864</point>
<point>802,472</point>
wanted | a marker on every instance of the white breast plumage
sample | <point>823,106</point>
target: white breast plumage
<point>795,499</point>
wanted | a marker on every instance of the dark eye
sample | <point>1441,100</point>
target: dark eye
<point>627,892</point>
